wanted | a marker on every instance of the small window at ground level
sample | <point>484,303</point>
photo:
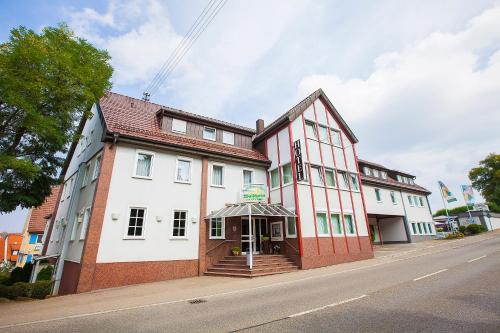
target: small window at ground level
<point>425,227</point>
<point>322,223</point>
<point>136,222</point>
<point>179,226</point>
<point>228,138</point>
<point>275,178</point>
<point>349,224</point>
<point>336,224</point>
<point>209,133</point>
<point>178,126</point>
<point>287,173</point>
<point>216,228</point>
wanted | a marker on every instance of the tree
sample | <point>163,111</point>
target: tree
<point>453,211</point>
<point>48,84</point>
<point>486,179</point>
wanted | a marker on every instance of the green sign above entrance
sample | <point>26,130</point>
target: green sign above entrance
<point>254,193</point>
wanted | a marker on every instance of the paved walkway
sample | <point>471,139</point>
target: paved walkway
<point>179,291</point>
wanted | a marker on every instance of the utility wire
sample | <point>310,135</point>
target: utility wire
<point>199,26</point>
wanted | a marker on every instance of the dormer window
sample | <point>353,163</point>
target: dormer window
<point>178,126</point>
<point>228,137</point>
<point>209,133</point>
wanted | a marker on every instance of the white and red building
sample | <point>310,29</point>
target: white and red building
<point>141,185</point>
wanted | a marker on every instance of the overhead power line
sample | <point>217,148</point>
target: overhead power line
<point>208,14</point>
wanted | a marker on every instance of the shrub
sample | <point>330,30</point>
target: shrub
<point>21,289</point>
<point>45,273</point>
<point>6,292</point>
<point>4,278</point>
<point>21,274</point>
<point>474,229</point>
<point>41,289</point>
<point>462,229</point>
<point>439,229</point>
<point>454,235</point>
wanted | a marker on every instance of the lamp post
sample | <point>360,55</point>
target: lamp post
<point>5,236</point>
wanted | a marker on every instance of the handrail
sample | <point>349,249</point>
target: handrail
<point>293,247</point>
<point>223,242</point>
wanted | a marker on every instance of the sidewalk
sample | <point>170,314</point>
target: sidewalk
<point>182,290</point>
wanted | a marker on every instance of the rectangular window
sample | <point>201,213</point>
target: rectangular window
<point>354,182</point>
<point>76,225</point>
<point>247,177</point>
<point>421,200</point>
<point>209,133</point>
<point>86,175</point>
<point>336,224</point>
<point>419,228</point>
<point>430,228</point>
<point>287,173</point>
<point>178,126</point>
<point>228,138</point>
<point>39,238</point>
<point>336,137</point>
<point>291,228</point>
<point>376,173</point>
<point>378,195</point>
<point>399,178</point>
<point>415,200</point>
<point>383,174</point>
<point>349,224</point>
<point>323,133</point>
<point>32,238</point>
<point>216,228</point>
<point>425,227</point>
<point>316,175</point>
<point>179,226</point>
<point>217,175</point>
<point>414,227</point>
<point>367,171</point>
<point>393,197</point>
<point>344,183</point>
<point>144,163</point>
<point>70,187</point>
<point>330,177</point>
<point>275,178</point>
<point>322,224</point>
<point>85,223</point>
<point>183,171</point>
<point>311,130</point>
<point>97,167</point>
<point>410,200</point>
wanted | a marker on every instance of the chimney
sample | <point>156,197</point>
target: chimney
<point>259,126</point>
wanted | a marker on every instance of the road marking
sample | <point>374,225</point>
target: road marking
<point>478,258</point>
<point>431,274</point>
<point>326,306</point>
<point>97,313</point>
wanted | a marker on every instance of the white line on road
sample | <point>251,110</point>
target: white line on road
<point>327,306</point>
<point>478,258</point>
<point>431,274</point>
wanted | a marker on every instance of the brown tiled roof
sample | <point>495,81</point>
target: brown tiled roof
<point>393,183</point>
<point>137,119</point>
<point>38,215</point>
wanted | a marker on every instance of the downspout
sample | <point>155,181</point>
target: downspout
<point>405,219</point>
<point>69,228</point>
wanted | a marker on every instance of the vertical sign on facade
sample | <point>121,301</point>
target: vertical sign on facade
<point>299,167</point>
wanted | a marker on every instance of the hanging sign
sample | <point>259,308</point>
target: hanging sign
<point>254,193</point>
<point>299,167</point>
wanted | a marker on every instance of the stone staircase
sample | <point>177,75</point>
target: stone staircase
<point>236,266</point>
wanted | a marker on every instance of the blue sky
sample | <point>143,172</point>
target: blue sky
<point>417,81</point>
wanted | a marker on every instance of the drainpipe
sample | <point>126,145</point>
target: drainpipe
<point>405,219</point>
<point>5,236</point>
<point>70,220</point>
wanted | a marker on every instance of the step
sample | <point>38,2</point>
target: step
<point>242,275</point>
<point>251,271</point>
<point>221,264</point>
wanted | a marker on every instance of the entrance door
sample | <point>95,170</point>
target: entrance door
<point>259,228</point>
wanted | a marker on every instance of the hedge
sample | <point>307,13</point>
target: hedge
<point>45,273</point>
<point>39,290</point>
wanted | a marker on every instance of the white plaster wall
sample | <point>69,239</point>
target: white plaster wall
<point>495,222</point>
<point>284,144</point>
<point>417,214</point>
<point>272,152</point>
<point>386,207</point>
<point>306,211</point>
<point>393,229</point>
<point>360,214</point>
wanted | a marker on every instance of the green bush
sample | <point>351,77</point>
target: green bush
<point>21,274</point>
<point>462,229</point>
<point>21,289</point>
<point>439,229</point>
<point>40,289</point>
<point>6,292</point>
<point>474,229</point>
<point>45,273</point>
<point>454,235</point>
<point>4,277</point>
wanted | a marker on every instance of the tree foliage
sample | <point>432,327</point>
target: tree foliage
<point>453,211</point>
<point>486,179</point>
<point>49,81</point>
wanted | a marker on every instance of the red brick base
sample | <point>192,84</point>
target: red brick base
<point>69,278</point>
<point>326,256</point>
<point>117,274</point>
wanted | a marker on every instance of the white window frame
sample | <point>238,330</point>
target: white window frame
<point>209,128</point>
<point>276,239</point>
<point>288,235</point>
<point>271,178</point>
<point>76,225</point>
<point>336,135</point>
<point>410,200</point>
<point>97,167</point>
<point>326,139</point>
<point>356,180</point>
<point>85,222</point>
<point>223,166</point>
<point>421,202</point>
<point>231,142</point>
<point>344,181</point>
<point>383,174</point>
<point>86,175</point>
<point>144,152</point>
<point>315,130</point>
<point>415,200</point>
<point>348,233</point>
<point>283,173</point>
<point>185,225</point>
<point>178,122</point>
<point>320,169</point>
<point>334,179</point>
<point>183,159</point>
<point>340,223</point>
<point>377,190</point>
<point>243,176</point>
<point>127,224</point>
<point>223,225</point>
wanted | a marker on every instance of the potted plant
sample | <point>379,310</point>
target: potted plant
<point>235,250</point>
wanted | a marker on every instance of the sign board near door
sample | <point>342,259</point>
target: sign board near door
<point>299,167</point>
<point>254,193</point>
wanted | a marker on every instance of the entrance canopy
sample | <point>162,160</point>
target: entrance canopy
<point>245,209</point>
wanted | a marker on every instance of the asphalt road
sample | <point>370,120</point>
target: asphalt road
<point>456,289</point>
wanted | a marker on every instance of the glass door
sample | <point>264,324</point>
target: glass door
<point>245,236</point>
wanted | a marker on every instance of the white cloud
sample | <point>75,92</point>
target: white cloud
<point>431,108</point>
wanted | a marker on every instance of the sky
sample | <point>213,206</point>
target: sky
<point>417,81</point>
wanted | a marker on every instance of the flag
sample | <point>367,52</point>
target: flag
<point>446,193</point>
<point>468,194</point>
